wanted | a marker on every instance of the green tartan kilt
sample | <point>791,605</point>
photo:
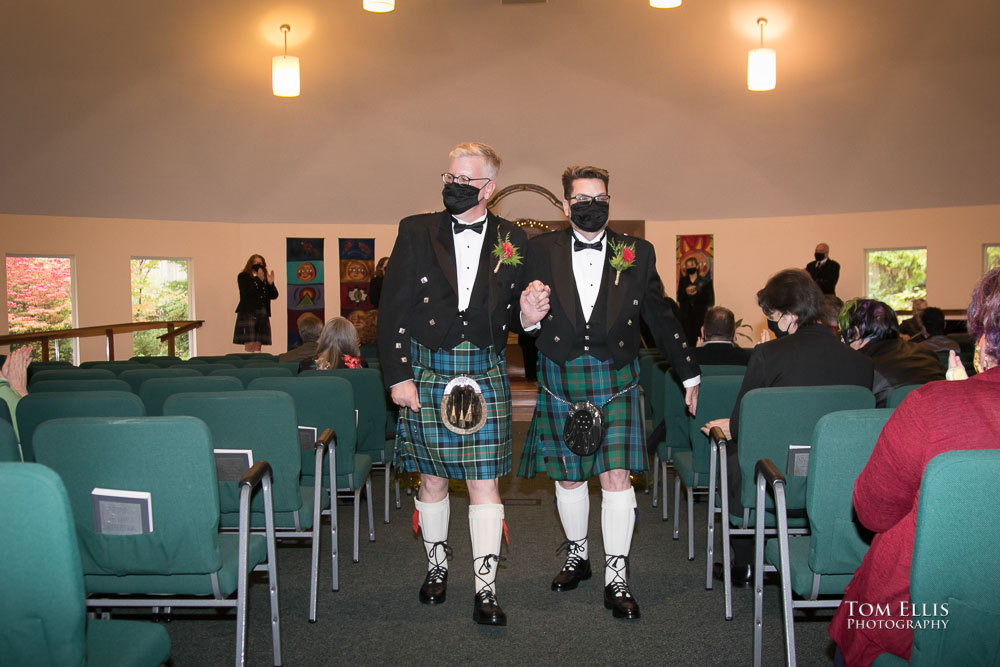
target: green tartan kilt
<point>582,379</point>
<point>425,445</point>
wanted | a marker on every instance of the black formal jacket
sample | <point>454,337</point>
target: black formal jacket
<point>639,294</point>
<point>420,293</point>
<point>812,356</point>
<point>254,293</point>
<point>898,362</point>
<point>721,354</point>
<point>703,298</point>
<point>826,276</point>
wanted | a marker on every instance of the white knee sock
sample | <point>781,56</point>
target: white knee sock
<point>617,523</point>
<point>486,530</point>
<point>574,513</point>
<point>434,518</point>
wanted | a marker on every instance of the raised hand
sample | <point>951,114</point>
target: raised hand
<point>534,303</point>
<point>15,369</point>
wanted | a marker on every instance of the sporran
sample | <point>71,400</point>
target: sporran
<point>463,408</point>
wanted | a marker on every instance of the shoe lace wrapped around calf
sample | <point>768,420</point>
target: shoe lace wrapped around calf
<point>438,555</point>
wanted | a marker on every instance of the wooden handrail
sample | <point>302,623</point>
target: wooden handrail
<point>174,328</point>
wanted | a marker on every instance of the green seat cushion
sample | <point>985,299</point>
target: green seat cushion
<point>801,575</point>
<point>362,468</point>
<point>183,584</point>
<point>889,660</point>
<point>127,643</point>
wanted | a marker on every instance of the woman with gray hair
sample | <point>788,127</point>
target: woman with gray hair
<point>339,347</point>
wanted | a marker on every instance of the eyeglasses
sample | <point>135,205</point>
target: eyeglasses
<point>449,178</point>
<point>587,199</point>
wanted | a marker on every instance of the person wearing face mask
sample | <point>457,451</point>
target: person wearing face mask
<point>807,355</point>
<point>695,295</point>
<point>253,312</point>
<point>601,285</point>
<point>456,278</point>
<point>824,270</point>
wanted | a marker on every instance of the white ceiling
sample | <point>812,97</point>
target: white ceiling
<point>163,109</point>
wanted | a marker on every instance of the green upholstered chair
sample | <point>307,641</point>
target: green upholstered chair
<point>771,420</point>
<point>161,361</point>
<point>653,395</point>
<point>80,385</point>
<point>252,356</point>
<point>183,561</point>
<point>70,374</point>
<point>246,374</point>
<point>34,409</point>
<point>5,413</point>
<point>897,395</point>
<point>116,367</point>
<point>209,358</point>
<point>328,403</point>
<point>154,392</point>
<point>135,378</point>
<point>9,449</point>
<point>954,562</point>
<point>369,399</point>
<point>39,366</point>
<point>42,609</point>
<point>822,562</point>
<point>716,399</point>
<point>266,423</point>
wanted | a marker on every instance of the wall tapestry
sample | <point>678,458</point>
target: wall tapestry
<point>357,266</point>
<point>305,294</point>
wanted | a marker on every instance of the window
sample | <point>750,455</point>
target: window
<point>991,257</point>
<point>897,276</point>
<point>40,298</point>
<point>159,293</point>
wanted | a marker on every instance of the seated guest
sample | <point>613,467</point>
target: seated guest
<point>339,347</point>
<point>805,354</point>
<point>870,327</point>
<point>310,327</point>
<point>831,311</point>
<point>933,336</point>
<point>911,326</point>
<point>718,333</point>
<point>938,417</point>
<point>14,380</point>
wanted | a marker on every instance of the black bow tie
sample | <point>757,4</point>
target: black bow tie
<point>580,245</point>
<point>460,227</point>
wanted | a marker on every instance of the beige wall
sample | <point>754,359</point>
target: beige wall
<point>747,251</point>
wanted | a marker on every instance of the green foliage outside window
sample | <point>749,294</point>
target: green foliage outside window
<point>991,259</point>
<point>896,277</point>
<point>159,293</point>
<point>40,298</point>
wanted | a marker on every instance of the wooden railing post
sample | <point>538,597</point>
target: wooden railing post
<point>45,349</point>
<point>111,343</point>
<point>170,341</point>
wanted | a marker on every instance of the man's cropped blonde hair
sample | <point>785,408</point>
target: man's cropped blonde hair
<point>478,149</point>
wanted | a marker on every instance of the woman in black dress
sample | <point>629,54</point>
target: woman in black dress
<point>253,314</point>
<point>695,295</point>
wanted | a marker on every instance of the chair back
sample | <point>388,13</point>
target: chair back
<point>675,412</point>
<point>897,395</point>
<point>247,374</point>
<point>252,356</point>
<point>170,458</point>
<point>773,418</point>
<point>80,385</point>
<point>261,421</point>
<point>723,369</point>
<point>842,442</point>
<point>954,560</point>
<point>34,409</point>
<point>135,378</point>
<point>5,413</point>
<point>321,403</point>
<point>70,374</point>
<point>42,620</point>
<point>154,392</point>
<point>9,451</point>
<point>39,366</point>
<point>210,358</point>
<point>160,361</point>
<point>647,367</point>
<point>116,367</point>
<point>716,399</point>
<point>369,400</point>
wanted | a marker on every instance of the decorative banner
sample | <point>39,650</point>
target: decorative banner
<point>357,266</point>
<point>702,248</point>
<point>305,292</point>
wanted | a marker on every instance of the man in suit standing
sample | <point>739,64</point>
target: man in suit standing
<point>824,270</point>
<point>718,333</point>
<point>455,279</point>
<point>601,284</point>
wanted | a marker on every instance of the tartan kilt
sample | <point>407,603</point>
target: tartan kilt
<point>581,379</point>
<point>252,327</point>
<point>425,445</point>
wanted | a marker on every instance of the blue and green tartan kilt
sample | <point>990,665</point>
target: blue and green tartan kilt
<point>424,445</point>
<point>584,379</point>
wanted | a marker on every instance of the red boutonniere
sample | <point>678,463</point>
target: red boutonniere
<point>506,252</point>
<point>623,257</point>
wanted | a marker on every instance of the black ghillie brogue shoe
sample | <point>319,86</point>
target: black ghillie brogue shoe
<point>617,596</point>
<point>575,570</point>
<point>435,586</point>
<point>486,610</point>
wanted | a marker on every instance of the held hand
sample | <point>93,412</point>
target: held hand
<point>765,336</point>
<point>691,399</point>
<point>534,303</point>
<point>405,395</point>
<point>956,371</point>
<point>270,277</point>
<point>721,423</point>
<point>15,370</point>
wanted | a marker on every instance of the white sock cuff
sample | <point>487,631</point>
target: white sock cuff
<point>485,511</point>
<point>619,499</point>
<point>565,495</point>
<point>432,508</point>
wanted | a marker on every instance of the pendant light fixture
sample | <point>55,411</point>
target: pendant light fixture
<point>665,4</point>
<point>285,71</point>
<point>761,64</point>
<point>378,6</point>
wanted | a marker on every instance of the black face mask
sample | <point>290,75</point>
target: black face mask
<point>590,217</point>
<point>459,198</point>
<point>819,256</point>
<point>778,333</point>
<point>691,271</point>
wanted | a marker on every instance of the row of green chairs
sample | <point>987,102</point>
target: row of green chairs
<point>74,380</point>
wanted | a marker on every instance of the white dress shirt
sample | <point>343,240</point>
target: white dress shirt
<point>588,271</point>
<point>468,248</point>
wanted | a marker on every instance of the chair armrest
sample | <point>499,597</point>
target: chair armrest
<point>770,472</point>
<point>716,434</point>
<point>325,439</point>
<point>255,475</point>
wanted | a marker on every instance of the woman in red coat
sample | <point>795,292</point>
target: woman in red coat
<point>938,417</point>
